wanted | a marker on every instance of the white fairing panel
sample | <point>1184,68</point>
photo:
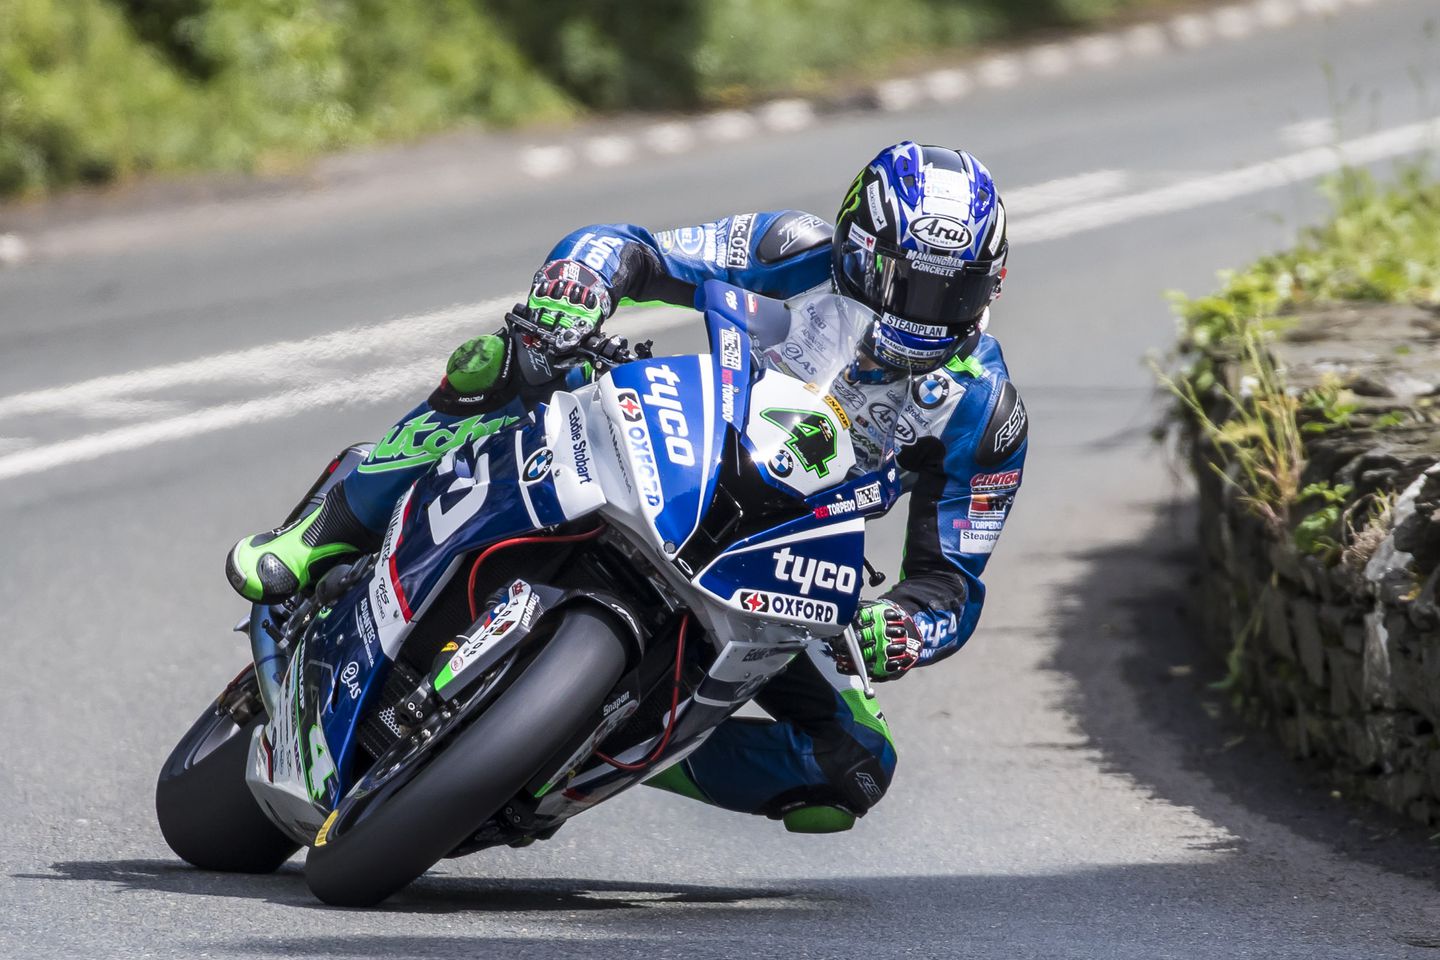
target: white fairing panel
<point>774,443</point>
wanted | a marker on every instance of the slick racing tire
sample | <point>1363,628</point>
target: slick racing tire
<point>473,776</point>
<point>206,811</point>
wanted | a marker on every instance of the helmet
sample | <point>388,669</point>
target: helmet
<point>920,239</point>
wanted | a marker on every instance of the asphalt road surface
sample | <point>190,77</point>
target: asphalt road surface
<point>1061,792</point>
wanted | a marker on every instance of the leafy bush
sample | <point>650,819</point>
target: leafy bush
<point>93,90</point>
<point>1381,244</point>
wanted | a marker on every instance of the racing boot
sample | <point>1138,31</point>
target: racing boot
<point>270,567</point>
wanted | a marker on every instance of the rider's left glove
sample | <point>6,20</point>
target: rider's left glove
<point>889,641</point>
<point>568,294</point>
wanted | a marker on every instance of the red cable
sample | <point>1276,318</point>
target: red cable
<point>674,706</point>
<point>515,542</point>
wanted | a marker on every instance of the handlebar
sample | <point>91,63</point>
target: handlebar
<point>568,342</point>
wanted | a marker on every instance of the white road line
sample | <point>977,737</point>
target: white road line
<point>1045,197</point>
<point>1146,40</point>
<point>1234,22</point>
<point>1099,50</point>
<point>728,125</point>
<point>383,383</point>
<point>999,72</point>
<point>542,162</point>
<point>901,94</point>
<point>1190,30</point>
<point>388,381</point>
<point>1218,188</point>
<point>286,357</point>
<point>947,85</point>
<point>674,137</point>
<point>784,116</point>
<point>1309,133</point>
<point>609,151</point>
<point>1049,60</point>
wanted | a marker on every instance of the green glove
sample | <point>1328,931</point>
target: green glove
<point>567,293</point>
<point>889,641</point>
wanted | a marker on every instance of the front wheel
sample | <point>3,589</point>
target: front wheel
<point>206,811</point>
<point>485,765</point>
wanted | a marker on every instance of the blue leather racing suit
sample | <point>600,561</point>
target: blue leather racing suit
<point>963,429</point>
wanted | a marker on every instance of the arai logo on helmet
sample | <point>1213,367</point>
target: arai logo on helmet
<point>944,233</point>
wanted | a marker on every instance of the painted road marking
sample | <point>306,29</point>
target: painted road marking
<point>391,375</point>
<point>1218,188</point>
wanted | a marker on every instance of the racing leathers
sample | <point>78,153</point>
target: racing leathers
<point>962,430</point>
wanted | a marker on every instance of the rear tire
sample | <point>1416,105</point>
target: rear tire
<point>484,766</point>
<point>206,811</point>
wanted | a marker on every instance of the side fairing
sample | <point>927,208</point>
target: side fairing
<point>806,572</point>
<point>535,475</point>
<point>668,439</point>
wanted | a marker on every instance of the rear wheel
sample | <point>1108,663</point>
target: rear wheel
<point>206,811</point>
<point>485,765</point>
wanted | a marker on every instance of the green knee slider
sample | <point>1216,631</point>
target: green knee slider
<point>476,365</point>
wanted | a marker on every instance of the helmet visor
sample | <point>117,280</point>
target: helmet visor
<point>923,288</point>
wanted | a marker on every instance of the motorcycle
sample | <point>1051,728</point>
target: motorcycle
<point>559,609</point>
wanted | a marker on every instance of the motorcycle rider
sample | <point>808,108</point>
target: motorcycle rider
<point>920,238</point>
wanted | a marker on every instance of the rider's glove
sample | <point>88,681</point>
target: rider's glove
<point>568,294</point>
<point>889,641</point>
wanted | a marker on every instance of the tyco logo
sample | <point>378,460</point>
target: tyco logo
<point>813,440</point>
<point>808,572</point>
<point>664,396</point>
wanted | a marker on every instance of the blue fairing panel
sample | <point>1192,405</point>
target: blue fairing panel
<point>814,558</point>
<point>676,421</point>
<point>498,487</point>
<point>343,674</point>
<point>730,346</point>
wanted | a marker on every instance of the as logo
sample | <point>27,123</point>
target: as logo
<point>812,437</point>
<point>664,395</point>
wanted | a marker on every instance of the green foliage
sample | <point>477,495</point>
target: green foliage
<point>94,90</point>
<point>1316,534</point>
<point>89,95</point>
<point>1381,244</point>
<point>1329,405</point>
<point>82,100</point>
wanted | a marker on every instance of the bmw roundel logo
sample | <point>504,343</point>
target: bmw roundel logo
<point>538,465</point>
<point>782,464</point>
<point>931,392</point>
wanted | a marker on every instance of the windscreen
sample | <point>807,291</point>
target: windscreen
<point>822,349</point>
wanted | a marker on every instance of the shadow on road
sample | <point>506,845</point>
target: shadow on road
<point>1136,911</point>
<point>430,894</point>
<point>1142,697</point>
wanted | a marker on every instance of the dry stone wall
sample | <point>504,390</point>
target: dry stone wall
<point>1339,650</point>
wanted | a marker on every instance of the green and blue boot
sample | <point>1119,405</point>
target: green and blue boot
<point>269,567</point>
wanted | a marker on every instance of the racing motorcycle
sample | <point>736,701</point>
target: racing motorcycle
<point>558,610</point>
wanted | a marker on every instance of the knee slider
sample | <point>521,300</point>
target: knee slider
<point>476,365</point>
<point>477,378</point>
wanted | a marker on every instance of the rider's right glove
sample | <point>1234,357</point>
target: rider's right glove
<point>889,641</point>
<point>568,294</point>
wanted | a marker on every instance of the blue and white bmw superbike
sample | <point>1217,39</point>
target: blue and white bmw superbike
<point>558,610</point>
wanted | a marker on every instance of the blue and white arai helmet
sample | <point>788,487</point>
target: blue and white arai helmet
<point>920,239</point>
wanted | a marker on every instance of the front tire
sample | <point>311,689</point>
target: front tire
<point>485,765</point>
<point>206,811</point>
